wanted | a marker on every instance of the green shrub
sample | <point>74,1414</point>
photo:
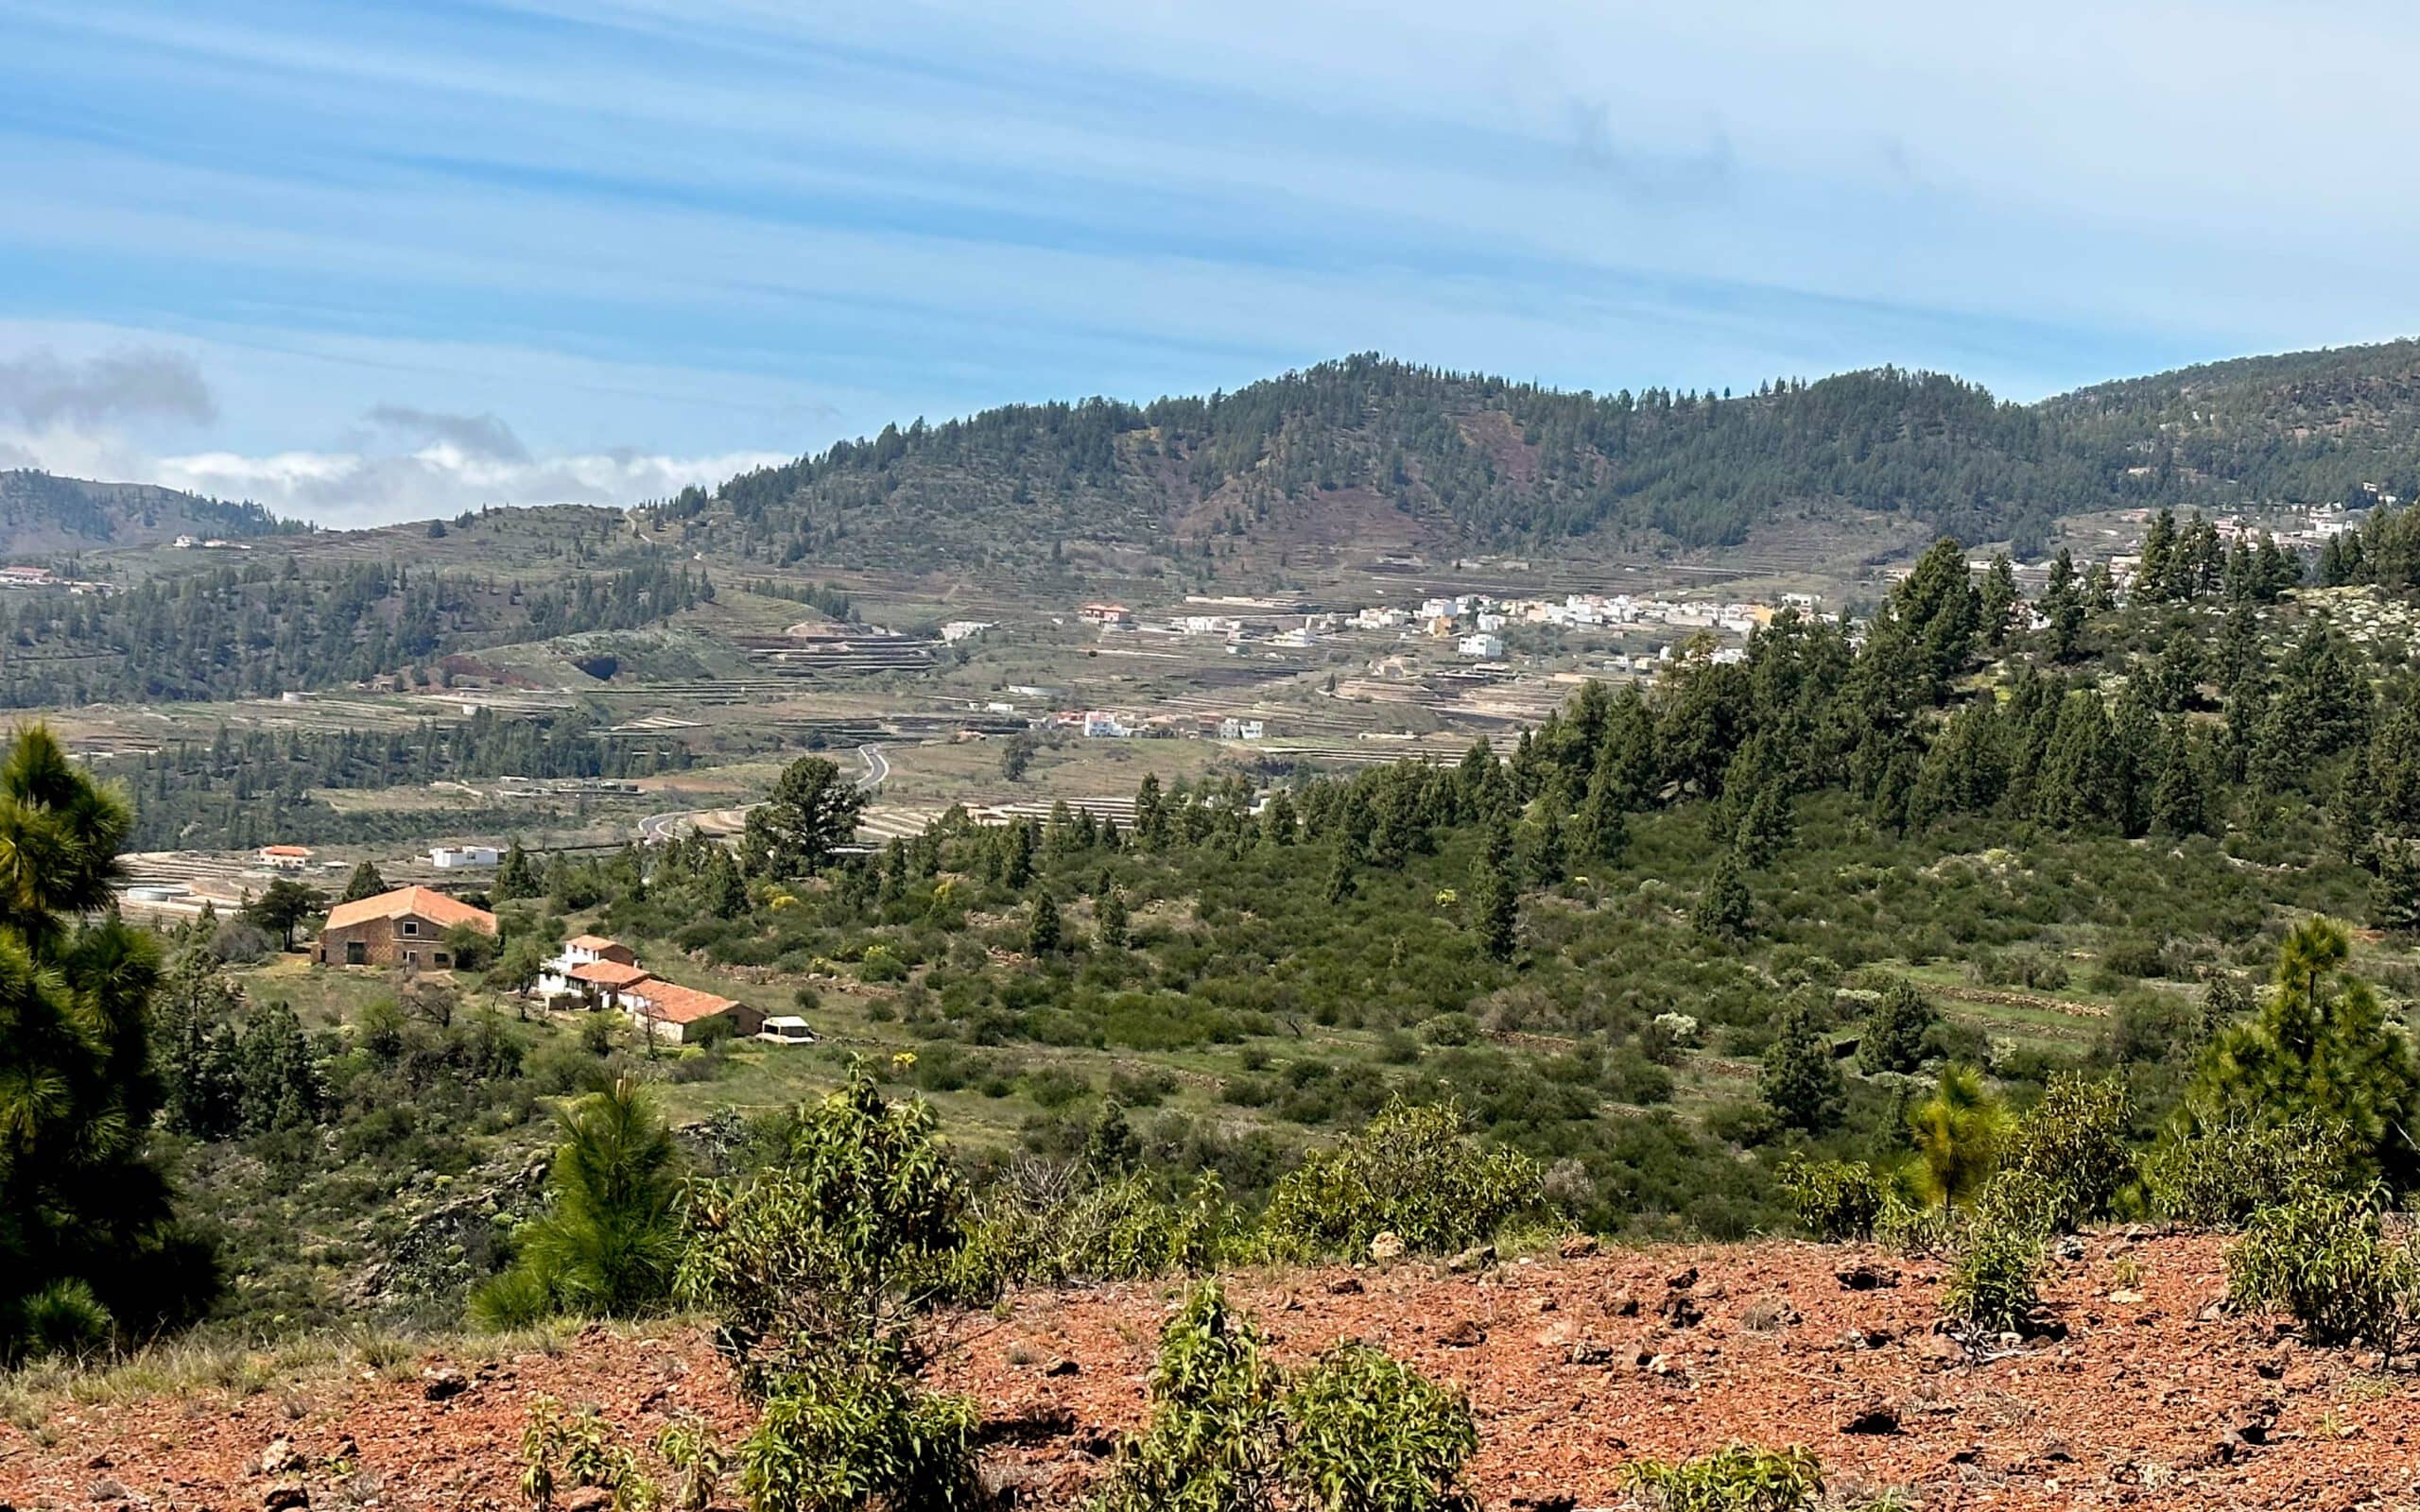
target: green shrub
<point>1413,1172</point>
<point>1914,1227</point>
<point>2216,1173</point>
<point>1214,1443</point>
<point>1739,1479</point>
<point>1357,1432</point>
<point>850,1433</point>
<point>1117,1228</point>
<point>1368,1434</point>
<point>1994,1283</point>
<point>2323,1255</point>
<point>2074,1142</point>
<point>840,1238</point>
<point>1835,1200</point>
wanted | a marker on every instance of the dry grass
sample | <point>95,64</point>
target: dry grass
<point>231,1370</point>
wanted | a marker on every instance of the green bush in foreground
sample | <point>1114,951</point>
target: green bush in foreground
<point>1368,1433</point>
<point>2074,1142</point>
<point>2217,1172</point>
<point>858,1433</point>
<point>1739,1479</point>
<point>2323,1257</point>
<point>1358,1431</point>
<point>1994,1284</point>
<point>1214,1441</point>
<point>1413,1171</point>
<point>1835,1200</point>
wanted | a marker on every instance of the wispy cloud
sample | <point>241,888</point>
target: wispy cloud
<point>482,437</point>
<point>39,389</point>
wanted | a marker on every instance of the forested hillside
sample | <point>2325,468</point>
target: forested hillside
<point>266,628</point>
<point>40,513</point>
<point>1462,458</point>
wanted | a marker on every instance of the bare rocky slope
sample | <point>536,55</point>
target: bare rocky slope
<point>2146,1390</point>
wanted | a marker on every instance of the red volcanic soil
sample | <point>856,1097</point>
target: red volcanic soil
<point>2154,1398</point>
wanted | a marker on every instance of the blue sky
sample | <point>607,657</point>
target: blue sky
<point>373,259</point>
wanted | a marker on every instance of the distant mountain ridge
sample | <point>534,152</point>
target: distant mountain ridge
<point>1369,447</point>
<point>41,514</point>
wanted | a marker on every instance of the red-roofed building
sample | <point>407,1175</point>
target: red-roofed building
<point>562,976</point>
<point>676,1013</point>
<point>405,927</point>
<point>596,972</point>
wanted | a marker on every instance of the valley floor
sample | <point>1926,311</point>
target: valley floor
<point>1575,1366</point>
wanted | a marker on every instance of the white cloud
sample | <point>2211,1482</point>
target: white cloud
<point>347,488</point>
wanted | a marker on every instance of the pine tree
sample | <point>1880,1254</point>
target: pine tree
<point>2180,796</point>
<point>1548,866</point>
<point>364,882</point>
<point>514,876</point>
<point>1496,907</point>
<point>194,1044</point>
<point>1015,848</point>
<point>279,1080</point>
<point>1725,911</point>
<point>1340,873</point>
<point>1958,1134</point>
<point>82,1209</point>
<point>1892,1036</point>
<point>2063,604</point>
<point>2321,1046</point>
<point>1998,601</point>
<point>1799,1080</point>
<point>2394,892</point>
<point>1109,918</point>
<point>1042,933</point>
<point>611,1236</point>
<point>2153,579</point>
<point>1150,814</point>
<point>1764,826</point>
<point>726,890</point>
<point>1603,831</point>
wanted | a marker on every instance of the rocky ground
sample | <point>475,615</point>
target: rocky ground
<point>2144,1393</point>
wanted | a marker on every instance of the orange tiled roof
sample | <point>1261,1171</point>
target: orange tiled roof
<point>675,1003</point>
<point>608,973</point>
<point>592,942</point>
<point>417,903</point>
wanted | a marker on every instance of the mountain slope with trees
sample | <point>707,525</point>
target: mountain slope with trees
<point>1448,459</point>
<point>40,514</point>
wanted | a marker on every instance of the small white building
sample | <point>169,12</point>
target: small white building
<point>285,857</point>
<point>1484,646</point>
<point>463,857</point>
<point>1232,729</point>
<point>1101,724</point>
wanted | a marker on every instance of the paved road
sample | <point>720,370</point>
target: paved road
<point>658,828</point>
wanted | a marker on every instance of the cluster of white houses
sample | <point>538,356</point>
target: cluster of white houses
<point>594,972</point>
